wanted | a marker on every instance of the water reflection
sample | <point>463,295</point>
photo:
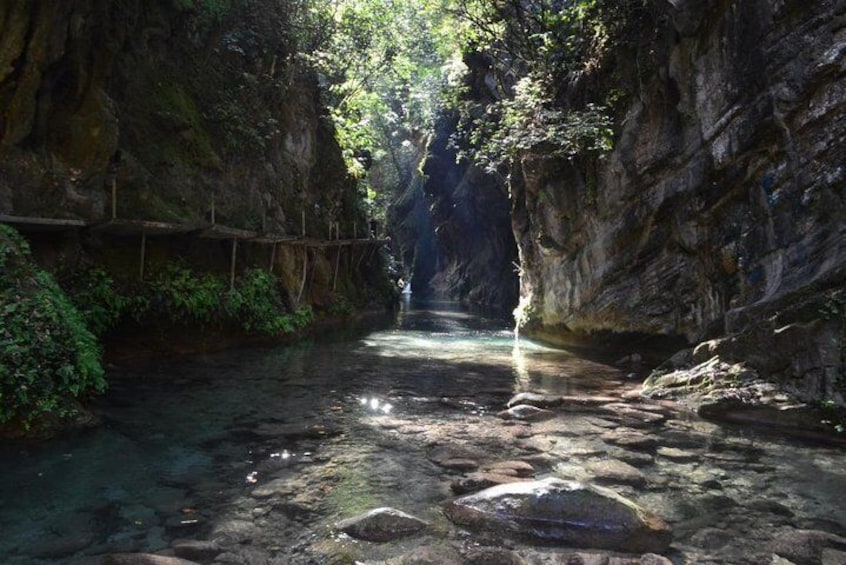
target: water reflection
<point>265,449</point>
<point>375,405</point>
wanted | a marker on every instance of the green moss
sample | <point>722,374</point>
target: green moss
<point>168,127</point>
<point>190,142</point>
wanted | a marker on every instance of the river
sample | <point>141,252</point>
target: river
<point>264,450</point>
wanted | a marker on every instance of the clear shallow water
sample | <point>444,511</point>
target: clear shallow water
<point>263,450</point>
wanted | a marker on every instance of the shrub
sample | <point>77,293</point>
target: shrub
<point>258,306</point>
<point>183,295</point>
<point>47,354</point>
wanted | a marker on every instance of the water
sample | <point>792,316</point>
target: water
<point>263,450</point>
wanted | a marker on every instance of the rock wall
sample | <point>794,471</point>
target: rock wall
<point>174,101</point>
<point>472,222</point>
<point>723,200</point>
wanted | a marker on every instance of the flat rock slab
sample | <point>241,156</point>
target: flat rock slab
<point>564,512</point>
<point>276,487</point>
<point>443,453</point>
<point>676,454</point>
<point>133,559</point>
<point>515,468</point>
<point>381,525</point>
<point>617,472</point>
<point>526,413</point>
<point>629,438</point>
<point>633,417</point>
<point>534,399</point>
<point>475,482</point>
<point>634,458</point>
<point>459,464</point>
<point>196,550</point>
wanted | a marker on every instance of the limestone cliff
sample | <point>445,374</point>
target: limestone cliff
<point>721,208</point>
<point>473,227</point>
<point>724,191</point>
<point>176,101</point>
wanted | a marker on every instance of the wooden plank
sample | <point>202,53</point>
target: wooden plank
<point>337,264</point>
<point>275,238</point>
<point>305,274</point>
<point>232,264</point>
<point>136,227</point>
<point>26,223</point>
<point>225,232</point>
<point>114,199</point>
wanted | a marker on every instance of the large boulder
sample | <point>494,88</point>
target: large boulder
<point>381,525</point>
<point>735,392</point>
<point>563,512</point>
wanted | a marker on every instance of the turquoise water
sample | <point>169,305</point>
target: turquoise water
<point>262,450</point>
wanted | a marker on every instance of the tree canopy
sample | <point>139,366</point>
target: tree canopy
<point>389,67</point>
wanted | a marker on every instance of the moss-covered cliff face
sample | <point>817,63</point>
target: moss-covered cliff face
<point>721,208</point>
<point>173,100</point>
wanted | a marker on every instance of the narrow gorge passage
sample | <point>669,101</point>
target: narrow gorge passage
<point>260,453</point>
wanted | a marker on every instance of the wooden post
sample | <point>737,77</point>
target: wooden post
<point>232,264</point>
<point>303,224</point>
<point>272,256</point>
<point>337,262</point>
<point>114,198</point>
<point>305,273</point>
<point>143,255</point>
<point>212,209</point>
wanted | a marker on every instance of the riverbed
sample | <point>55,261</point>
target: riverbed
<point>256,454</point>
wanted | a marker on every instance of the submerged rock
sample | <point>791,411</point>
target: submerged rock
<point>515,468</point>
<point>735,392</point>
<point>617,472</point>
<point>382,524</point>
<point>196,550</point>
<point>565,512</point>
<point>526,412</point>
<point>809,546</point>
<point>535,399</point>
<point>480,481</point>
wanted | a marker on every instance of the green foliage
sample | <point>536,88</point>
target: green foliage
<point>47,355</point>
<point>529,121</point>
<point>101,301</point>
<point>257,304</point>
<point>184,296</point>
<point>540,51</point>
<point>383,69</point>
<point>303,317</point>
<point>341,307</point>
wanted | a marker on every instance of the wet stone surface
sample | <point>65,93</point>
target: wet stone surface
<point>256,456</point>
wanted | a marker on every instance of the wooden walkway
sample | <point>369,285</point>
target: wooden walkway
<point>149,228</point>
<point>154,228</point>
